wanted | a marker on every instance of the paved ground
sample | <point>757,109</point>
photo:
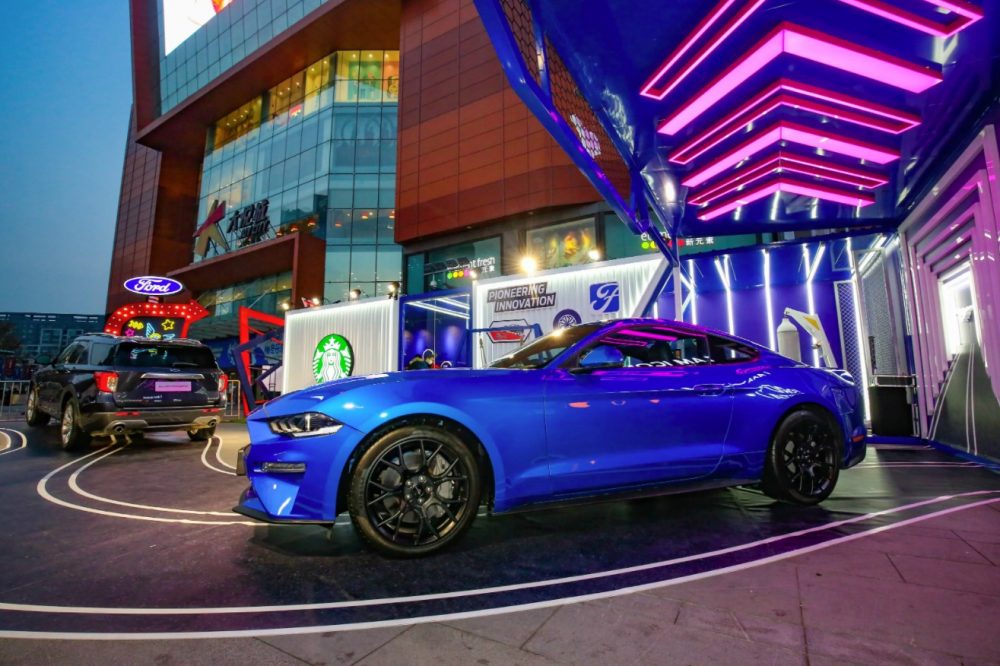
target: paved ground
<point>926,592</point>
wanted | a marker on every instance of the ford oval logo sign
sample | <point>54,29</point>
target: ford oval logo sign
<point>153,286</point>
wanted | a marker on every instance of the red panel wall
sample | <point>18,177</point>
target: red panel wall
<point>469,151</point>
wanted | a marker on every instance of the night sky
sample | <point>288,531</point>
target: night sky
<point>66,90</point>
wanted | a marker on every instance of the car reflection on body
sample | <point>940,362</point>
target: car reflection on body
<point>594,411</point>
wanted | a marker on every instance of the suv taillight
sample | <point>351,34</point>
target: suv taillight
<point>223,383</point>
<point>107,382</point>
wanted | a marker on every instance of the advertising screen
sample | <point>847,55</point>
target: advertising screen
<point>561,245</point>
<point>181,18</point>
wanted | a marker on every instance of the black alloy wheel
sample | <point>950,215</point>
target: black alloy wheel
<point>71,435</point>
<point>34,416</point>
<point>415,490</point>
<point>803,461</point>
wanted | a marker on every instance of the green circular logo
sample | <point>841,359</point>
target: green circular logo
<point>333,359</point>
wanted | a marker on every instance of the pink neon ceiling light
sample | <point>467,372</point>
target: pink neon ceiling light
<point>797,96</point>
<point>965,14</point>
<point>789,185</point>
<point>808,44</point>
<point>783,162</point>
<point>656,88</point>
<point>784,130</point>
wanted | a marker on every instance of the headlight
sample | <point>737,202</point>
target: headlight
<point>309,424</point>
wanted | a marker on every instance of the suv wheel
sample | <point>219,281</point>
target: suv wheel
<point>34,416</point>
<point>71,435</point>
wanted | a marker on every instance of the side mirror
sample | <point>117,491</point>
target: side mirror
<point>43,359</point>
<point>602,357</point>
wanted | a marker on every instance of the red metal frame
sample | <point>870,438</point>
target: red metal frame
<point>246,316</point>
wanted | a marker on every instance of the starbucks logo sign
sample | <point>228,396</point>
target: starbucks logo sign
<point>333,359</point>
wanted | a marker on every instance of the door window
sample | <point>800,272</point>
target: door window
<point>657,347</point>
<point>72,354</point>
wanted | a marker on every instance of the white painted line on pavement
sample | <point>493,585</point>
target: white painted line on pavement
<point>42,490</point>
<point>204,460</point>
<point>501,610</point>
<point>7,449</point>
<point>75,487</point>
<point>225,610</point>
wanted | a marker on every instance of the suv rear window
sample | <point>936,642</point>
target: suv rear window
<point>132,355</point>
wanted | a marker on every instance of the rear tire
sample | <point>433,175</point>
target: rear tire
<point>32,415</point>
<point>201,434</point>
<point>803,461</point>
<point>414,491</point>
<point>71,434</point>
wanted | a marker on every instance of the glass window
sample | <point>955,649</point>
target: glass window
<point>730,351</point>
<point>342,160</point>
<point>566,244</point>
<point>386,226</point>
<point>390,76</point>
<point>656,347</point>
<point>362,263</point>
<point>339,227</point>
<point>366,190</point>
<point>338,263</point>
<point>544,350</point>
<point>390,263</point>
<point>365,226</point>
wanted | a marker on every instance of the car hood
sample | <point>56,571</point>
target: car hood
<point>323,396</point>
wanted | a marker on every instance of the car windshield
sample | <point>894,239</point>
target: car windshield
<point>542,351</point>
<point>133,355</point>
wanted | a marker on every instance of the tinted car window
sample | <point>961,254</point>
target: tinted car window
<point>542,351</point>
<point>730,351</point>
<point>75,353</point>
<point>657,347</point>
<point>137,355</point>
<point>101,353</point>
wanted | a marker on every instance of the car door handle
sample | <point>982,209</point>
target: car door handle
<point>709,389</point>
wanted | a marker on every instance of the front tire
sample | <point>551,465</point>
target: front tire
<point>414,490</point>
<point>803,461</point>
<point>32,415</point>
<point>71,435</point>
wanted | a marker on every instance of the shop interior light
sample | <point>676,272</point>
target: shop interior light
<point>771,331</point>
<point>453,303</point>
<point>285,305</point>
<point>856,298</point>
<point>354,294</point>
<point>790,132</point>
<point>650,89</point>
<point>811,267</point>
<point>962,14</point>
<point>726,276</point>
<point>529,264</point>
<point>439,310</point>
<point>783,161</point>
<point>316,300</point>
<point>790,186</point>
<point>798,96</point>
<point>594,254</point>
<point>808,44</point>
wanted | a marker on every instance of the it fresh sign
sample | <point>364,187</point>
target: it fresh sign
<point>150,285</point>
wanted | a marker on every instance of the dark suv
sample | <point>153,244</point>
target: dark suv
<point>108,385</point>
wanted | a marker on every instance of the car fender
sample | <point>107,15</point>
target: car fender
<point>461,417</point>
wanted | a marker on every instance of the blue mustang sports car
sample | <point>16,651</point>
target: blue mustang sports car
<point>609,409</point>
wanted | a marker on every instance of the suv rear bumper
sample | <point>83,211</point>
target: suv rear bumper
<point>135,420</point>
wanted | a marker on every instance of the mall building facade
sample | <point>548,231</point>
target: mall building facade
<point>282,151</point>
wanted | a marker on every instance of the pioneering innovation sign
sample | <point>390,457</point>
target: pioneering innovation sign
<point>151,285</point>
<point>333,359</point>
<point>523,297</point>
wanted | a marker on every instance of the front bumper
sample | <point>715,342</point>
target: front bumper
<point>124,421</point>
<point>294,480</point>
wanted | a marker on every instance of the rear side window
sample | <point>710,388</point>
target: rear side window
<point>131,355</point>
<point>101,353</point>
<point>730,351</point>
<point>75,354</point>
